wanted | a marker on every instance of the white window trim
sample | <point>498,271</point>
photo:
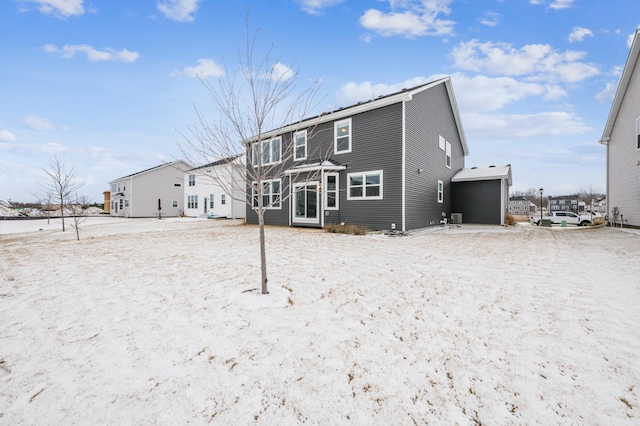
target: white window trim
<point>268,143</point>
<point>295,147</point>
<point>335,136</point>
<point>441,142</point>
<point>447,160</point>
<point>298,219</point>
<point>192,180</point>
<point>175,204</point>
<point>440,192</point>
<point>638,134</point>
<point>364,187</point>
<point>337,191</point>
<point>254,194</point>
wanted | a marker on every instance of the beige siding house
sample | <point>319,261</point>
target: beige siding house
<point>150,193</point>
<point>622,137</point>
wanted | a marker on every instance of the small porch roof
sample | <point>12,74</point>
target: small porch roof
<point>316,166</point>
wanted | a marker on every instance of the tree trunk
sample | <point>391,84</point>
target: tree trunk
<point>62,211</point>
<point>263,252</point>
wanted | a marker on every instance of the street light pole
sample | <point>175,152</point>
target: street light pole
<point>541,190</point>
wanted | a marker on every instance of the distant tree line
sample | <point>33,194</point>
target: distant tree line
<point>588,194</point>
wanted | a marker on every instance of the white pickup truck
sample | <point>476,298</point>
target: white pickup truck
<point>569,218</point>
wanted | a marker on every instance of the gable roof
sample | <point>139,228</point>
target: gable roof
<point>483,173</point>
<point>380,101</point>
<point>629,68</point>
<point>218,163</point>
<point>173,163</point>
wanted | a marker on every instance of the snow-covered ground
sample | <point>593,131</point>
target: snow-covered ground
<point>147,322</point>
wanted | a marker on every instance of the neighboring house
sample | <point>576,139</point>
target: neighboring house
<point>519,205</point>
<point>622,137</point>
<point>141,194</point>
<point>5,203</point>
<point>569,203</point>
<point>481,194</point>
<point>384,164</point>
<point>217,189</point>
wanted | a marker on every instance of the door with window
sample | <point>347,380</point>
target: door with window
<point>305,206</point>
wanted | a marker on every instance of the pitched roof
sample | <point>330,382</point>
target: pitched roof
<point>632,59</point>
<point>219,162</point>
<point>403,95</point>
<point>483,173</point>
<point>150,169</point>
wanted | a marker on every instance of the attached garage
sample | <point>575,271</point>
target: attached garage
<point>481,194</point>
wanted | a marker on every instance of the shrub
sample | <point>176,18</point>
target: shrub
<point>509,220</point>
<point>346,229</point>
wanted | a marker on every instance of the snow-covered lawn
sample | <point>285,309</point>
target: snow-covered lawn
<point>145,322</point>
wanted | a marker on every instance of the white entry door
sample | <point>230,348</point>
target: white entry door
<point>306,205</point>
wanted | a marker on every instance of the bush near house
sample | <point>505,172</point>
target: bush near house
<point>346,229</point>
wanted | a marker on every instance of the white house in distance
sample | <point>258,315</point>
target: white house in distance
<point>150,192</point>
<point>622,137</point>
<point>216,190</point>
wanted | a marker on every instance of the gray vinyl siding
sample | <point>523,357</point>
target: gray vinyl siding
<point>623,180</point>
<point>478,201</point>
<point>376,144</point>
<point>428,116</point>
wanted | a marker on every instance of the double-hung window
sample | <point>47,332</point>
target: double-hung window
<point>342,136</point>
<point>440,191</point>
<point>192,180</point>
<point>192,201</point>
<point>638,133</point>
<point>364,186</point>
<point>448,155</point>
<point>271,151</point>
<point>223,199</point>
<point>271,193</point>
<point>300,145</point>
<point>211,200</point>
<point>331,191</point>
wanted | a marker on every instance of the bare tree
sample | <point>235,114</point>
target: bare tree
<point>76,206</point>
<point>259,97</point>
<point>60,183</point>
<point>589,194</point>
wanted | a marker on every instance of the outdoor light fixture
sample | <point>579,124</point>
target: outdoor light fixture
<point>541,191</point>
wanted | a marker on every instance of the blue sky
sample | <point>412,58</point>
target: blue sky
<point>109,84</point>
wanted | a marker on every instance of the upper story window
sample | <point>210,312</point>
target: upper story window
<point>448,154</point>
<point>192,180</point>
<point>342,136</point>
<point>300,145</point>
<point>271,152</point>
<point>441,142</point>
<point>638,133</point>
<point>367,185</point>
<point>177,184</point>
<point>113,187</point>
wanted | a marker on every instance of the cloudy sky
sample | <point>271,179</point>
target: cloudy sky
<point>108,85</point>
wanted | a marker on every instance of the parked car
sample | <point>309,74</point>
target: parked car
<point>569,218</point>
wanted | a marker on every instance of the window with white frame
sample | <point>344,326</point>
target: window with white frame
<point>331,191</point>
<point>441,142</point>
<point>121,203</point>
<point>440,191</point>
<point>113,187</point>
<point>223,199</point>
<point>192,180</point>
<point>638,133</point>
<point>448,154</point>
<point>211,200</point>
<point>192,201</point>
<point>174,204</point>
<point>366,185</point>
<point>271,152</point>
<point>126,203</point>
<point>270,194</point>
<point>342,136</point>
<point>300,145</point>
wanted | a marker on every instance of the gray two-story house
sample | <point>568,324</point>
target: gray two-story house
<point>384,164</point>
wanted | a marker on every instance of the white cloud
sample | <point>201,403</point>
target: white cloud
<point>7,136</point>
<point>179,10</point>
<point>410,18</point>
<point>35,122</point>
<point>316,7</point>
<point>59,8</point>
<point>608,93</point>
<point>515,126</point>
<point>353,92</point>
<point>561,4</point>
<point>280,71</point>
<point>205,68</point>
<point>489,19</point>
<point>579,33</point>
<point>69,51</point>
<point>535,61</point>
